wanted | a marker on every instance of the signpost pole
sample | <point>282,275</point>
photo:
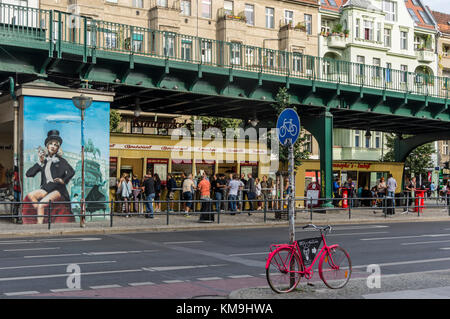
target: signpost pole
<point>291,202</point>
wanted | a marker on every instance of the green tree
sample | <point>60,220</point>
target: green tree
<point>218,122</point>
<point>300,152</point>
<point>114,121</point>
<point>418,161</point>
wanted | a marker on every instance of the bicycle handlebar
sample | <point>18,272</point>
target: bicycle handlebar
<point>326,228</point>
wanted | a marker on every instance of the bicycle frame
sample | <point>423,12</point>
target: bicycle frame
<point>307,272</point>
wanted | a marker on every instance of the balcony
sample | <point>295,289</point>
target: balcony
<point>337,41</point>
<point>164,13</point>
<point>425,55</point>
<point>230,25</point>
<point>291,34</point>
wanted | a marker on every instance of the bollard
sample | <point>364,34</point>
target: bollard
<point>310,209</point>
<point>49,220</point>
<point>265,208</point>
<point>111,214</point>
<point>167,212</point>
<point>350,208</point>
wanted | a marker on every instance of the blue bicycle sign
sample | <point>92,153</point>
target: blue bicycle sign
<point>288,126</point>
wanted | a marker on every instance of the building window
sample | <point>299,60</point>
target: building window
<point>377,139</point>
<point>289,17</point>
<point>325,28</point>
<point>169,45</point>
<point>161,3</point>
<point>250,14</point>
<point>206,9</point>
<point>358,26</point>
<point>228,7</point>
<point>388,72</point>
<point>413,15</point>
<point>357,138</point>
<point>389,7</point>
<point>186,49</point>
<point>308,143</point>
<point>404,70</point>
<point>367,141</point>
<point>425,17</point>
<point>379,32</point>
<point>185,7</point>
<point>110,40</point>
<point>250,56</point>
<point>236,53</point>
<point>387,38</point>
<point>361,61</point>
<point>403,40</point>
<point>138,3</point>
<point>138,39</point>
<point>377,67</point>
<point>270,58</point>
<point>368,30</point>
<point>206,51</point>
<point>270,18</point>
<point>445,147</point>
<point>297,62</point>
<point>308,23</point>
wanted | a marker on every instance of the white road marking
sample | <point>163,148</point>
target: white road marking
<point>49,256</point>
<point>249,254</point>
<point>445,248</point>
<point>173,281</point>
<point>57,265</point>
<point>426,242</point>
<point>136,284</point>
<point>407,237</point>
<point>27,249</point>
<point>105,287</point>
<point>49,240</point>
<point>183,242</point>
<point>421,261</point>
<point>21,293</point>
<point>209,278</point>
<point>338,228</point>
<point>65,290</point>
<point>169,268</point>
<point>350,234</point>
<point>240,276</point>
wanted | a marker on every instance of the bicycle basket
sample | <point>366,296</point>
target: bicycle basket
<point>309,248</point>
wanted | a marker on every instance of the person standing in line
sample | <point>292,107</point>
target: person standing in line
<point>17,195</point>
<point>126,188</point>
<point>171,185</point>
<point>188,194</point>
<point>432,190</point>
<point>350,186</point>
<point>265,192</point>
<point>204,186</point>
<point>234,186</point>
<point>251,195</point>
<point>336,192</point>
<point>157,192</point>
<point>410,189</point>
<point>258,193</point>
<point>149,191</point>
<point>243,193</point>
<point>219,191</point>
<point>391,187</point>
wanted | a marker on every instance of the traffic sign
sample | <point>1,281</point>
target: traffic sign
<point>288,126</point>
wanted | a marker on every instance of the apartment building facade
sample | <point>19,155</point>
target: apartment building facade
<point>386,34</point>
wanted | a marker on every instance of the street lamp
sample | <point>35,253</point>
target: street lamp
<point>82,102</point>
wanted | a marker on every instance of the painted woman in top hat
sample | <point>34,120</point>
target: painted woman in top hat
<point>56,173</point>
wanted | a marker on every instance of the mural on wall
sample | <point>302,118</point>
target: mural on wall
<point>52,159</point>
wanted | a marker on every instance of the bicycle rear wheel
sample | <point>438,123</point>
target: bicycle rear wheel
<point>335,268</point>
<point>283,271</point>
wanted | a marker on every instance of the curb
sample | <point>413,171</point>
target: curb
<point>131,229</point>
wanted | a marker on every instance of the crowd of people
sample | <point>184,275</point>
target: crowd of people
<point>222,192</point>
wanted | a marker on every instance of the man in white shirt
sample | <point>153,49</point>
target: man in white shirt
<point>234,186</point>
<point>391,186</point>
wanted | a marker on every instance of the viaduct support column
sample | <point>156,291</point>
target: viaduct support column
<point>322,129</point>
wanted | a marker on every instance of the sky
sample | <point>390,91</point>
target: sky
<point>438,5</point>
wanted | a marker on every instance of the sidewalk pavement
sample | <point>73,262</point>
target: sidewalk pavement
<point>421,285</point>
<point>178,222</point>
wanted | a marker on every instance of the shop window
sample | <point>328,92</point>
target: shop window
<point>205,166</point>
<point>249,167</point>
<point>158,166</point>
<point>180,166</point>
<point>112,171</point>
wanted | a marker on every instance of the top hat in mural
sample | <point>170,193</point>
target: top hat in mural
<point>53,135</point>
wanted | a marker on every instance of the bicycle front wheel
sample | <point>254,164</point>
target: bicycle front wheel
<point>335,268</point>
<point>283,272</point>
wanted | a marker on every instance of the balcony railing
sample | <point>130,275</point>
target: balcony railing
<point>30,26</point>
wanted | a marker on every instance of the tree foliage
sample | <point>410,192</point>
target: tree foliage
<point>300,152</point>
<point>417,162</point>
<point>114,121</point>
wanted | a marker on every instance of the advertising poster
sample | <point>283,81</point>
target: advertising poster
<point>52,159</point>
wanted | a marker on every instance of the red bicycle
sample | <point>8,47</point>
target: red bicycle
<point>287,264</point>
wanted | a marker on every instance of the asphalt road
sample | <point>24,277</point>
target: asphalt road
<point>199,264</point>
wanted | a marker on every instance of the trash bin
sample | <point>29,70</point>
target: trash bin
<point>420,203</point>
